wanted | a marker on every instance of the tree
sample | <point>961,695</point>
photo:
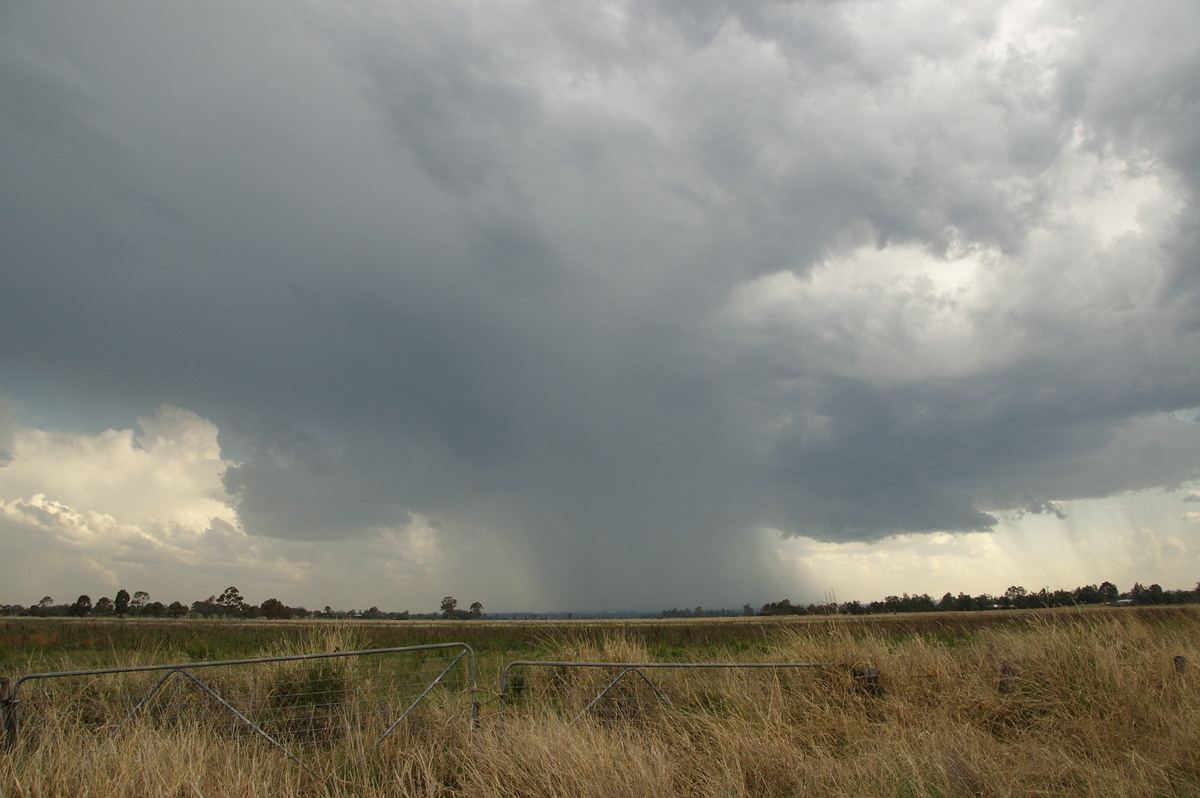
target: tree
<point>1153,595</point>
<point>104,606</point>
<point>782,607</point>
<point>121,602</point>
<point>177,610</point>
<point>476,610</point>
<point>1014,597</point>
<point>275,609</point>
<point>230,601</point>
<point>82,606</point>
<point>155,609</point>
<point>40,608</point>
<point>206,607</point>
<point>140,599</point>
<point>448,605</point>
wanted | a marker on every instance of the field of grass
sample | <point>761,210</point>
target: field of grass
<point>1093,705</point>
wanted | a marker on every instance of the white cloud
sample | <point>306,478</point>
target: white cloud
<point>168,475</point>
<point>147,510</point>
<point>114,505</point>
<point>1162,557</point>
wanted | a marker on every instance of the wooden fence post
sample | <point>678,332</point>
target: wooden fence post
<point>868,680</point>
<point>1008,675</point>
<point>8,712</point>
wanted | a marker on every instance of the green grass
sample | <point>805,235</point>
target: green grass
<point>1095,708</point>
<point>39,644</point>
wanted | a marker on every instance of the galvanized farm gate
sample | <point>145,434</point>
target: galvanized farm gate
<point>633,692</point>
<point>303,705</point>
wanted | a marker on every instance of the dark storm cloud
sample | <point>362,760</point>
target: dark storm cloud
<point>483,263</point>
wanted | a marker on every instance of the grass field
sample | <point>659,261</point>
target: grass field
<point>1095,705</point>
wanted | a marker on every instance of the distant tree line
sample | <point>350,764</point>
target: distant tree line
<point>229,604</point>
<point>700,612</point>
<point>450,610</point>
<point>1014,598</point>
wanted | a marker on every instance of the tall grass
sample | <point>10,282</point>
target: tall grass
<point>1091,704</point>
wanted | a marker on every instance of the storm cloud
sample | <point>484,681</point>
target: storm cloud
<point>595,294</point>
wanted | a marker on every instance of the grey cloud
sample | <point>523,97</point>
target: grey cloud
<point>1046,508</point>
<point>472,264</point>
<point>8,429</point>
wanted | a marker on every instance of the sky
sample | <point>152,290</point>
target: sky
<point>597,305</point>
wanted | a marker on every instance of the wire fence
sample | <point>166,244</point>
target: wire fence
<point>642,692</point>
<point>314,707</point>
<point>303,705</point>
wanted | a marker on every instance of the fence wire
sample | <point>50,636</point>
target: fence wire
<point>303,705</point>
<point>625,693</point>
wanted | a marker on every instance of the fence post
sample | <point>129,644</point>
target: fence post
<point>8,712</point>
<point>1008,675</point>
<point>868,680</point>
<point>1180,664</point>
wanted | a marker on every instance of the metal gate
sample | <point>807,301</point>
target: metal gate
<point>639,692</point>
<point>303,705</point>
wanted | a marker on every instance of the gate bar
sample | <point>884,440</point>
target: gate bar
<point>639,665</point>
<point>13,700</point>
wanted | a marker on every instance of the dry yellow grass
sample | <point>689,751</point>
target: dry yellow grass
<point>1096,708</point>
